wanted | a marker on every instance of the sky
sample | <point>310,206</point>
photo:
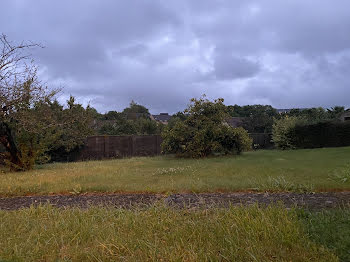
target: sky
<point>288,54</point>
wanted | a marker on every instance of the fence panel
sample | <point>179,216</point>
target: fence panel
<point>99,147</point>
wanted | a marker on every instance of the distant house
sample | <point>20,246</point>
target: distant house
<point>345,116</point>
<point>162,118</point>
<point>235,121</point>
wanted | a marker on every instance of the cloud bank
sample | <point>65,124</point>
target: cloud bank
<point>162,53</point>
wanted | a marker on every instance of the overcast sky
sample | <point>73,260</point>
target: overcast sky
<point>290,53</point>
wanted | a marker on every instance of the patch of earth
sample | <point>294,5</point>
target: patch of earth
<point>190,200</point>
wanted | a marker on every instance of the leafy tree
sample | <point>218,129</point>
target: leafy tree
<point>311,115</point>
<point>73,125</point>
<point>257,118</point>
<point>204,132</point>
<point>140,126</point>
<point>21,96</point>
<point>281,131</point>
<point>135,108</point>
<point>147,126</point>
<point>335,112</point>
<point>113,115</point>
<point>134,120</point>
<point>119,128</point>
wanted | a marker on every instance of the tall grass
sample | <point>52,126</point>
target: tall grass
<point>156,234</point>
<point>296,170</point>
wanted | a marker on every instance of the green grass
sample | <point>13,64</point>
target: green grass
<point>329,228</point>
<point>296,170</point>
<point>156,234</point>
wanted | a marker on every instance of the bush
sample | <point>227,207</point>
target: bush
<point>204,132</point>
<point>281,128</point>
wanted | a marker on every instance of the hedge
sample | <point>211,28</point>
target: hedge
<point>323,134</point>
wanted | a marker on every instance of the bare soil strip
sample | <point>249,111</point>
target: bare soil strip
<point>191,200</point>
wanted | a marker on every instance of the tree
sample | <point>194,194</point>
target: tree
<point>113,115</point>
<point>136,109</point>
<point>257,118</point>
<point>20,93</point>
<point>123,126</point>
<point>73,125</point>
<point>310,115</point>
<point>281,131</point>
<point>335,112</point>
<point>204,132</point>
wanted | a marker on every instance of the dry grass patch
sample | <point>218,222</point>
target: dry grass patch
<point>156,234</point>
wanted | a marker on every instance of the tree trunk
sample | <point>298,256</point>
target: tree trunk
<point>8,141</point>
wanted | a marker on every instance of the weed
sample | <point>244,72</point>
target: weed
<point>342,175</point>
<point>281,184</point>
<point>172,170</point>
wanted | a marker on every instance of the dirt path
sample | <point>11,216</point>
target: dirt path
<point>205,200</point>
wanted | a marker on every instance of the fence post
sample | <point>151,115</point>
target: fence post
<point>131,146</point>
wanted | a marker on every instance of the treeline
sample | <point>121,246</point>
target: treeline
<point>45,130</point>
<point>261,118</point>
<point>133,120</point>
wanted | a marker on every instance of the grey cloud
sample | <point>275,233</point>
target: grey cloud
<point>162,53</point>
<point>228,67</point>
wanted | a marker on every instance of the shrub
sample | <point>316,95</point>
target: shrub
<point>204,132</point>
<point>281,134</point>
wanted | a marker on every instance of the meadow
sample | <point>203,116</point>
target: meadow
<point>309,170</point>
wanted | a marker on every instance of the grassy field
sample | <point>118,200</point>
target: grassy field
<point>158,234</point>
<point>297,170</point>
<point>330,228</point>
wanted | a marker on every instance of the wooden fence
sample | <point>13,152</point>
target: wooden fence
<point>99,147</point>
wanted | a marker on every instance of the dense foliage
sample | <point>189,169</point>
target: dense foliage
<point>73,125</point>
<point>50,132</point>
<point>136,109</point>
<point>133,120</point>
<point>204,132</point>
<point>322,134</point>
<point>281,131</point>
<point>256,118</point>
<point>291,132</point>
<point>24,121</point>
<point>316,114</point>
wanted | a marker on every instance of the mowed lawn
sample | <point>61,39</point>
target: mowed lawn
<point>295,170</point>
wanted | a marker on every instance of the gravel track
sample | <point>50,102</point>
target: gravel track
<point>191,200</point>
